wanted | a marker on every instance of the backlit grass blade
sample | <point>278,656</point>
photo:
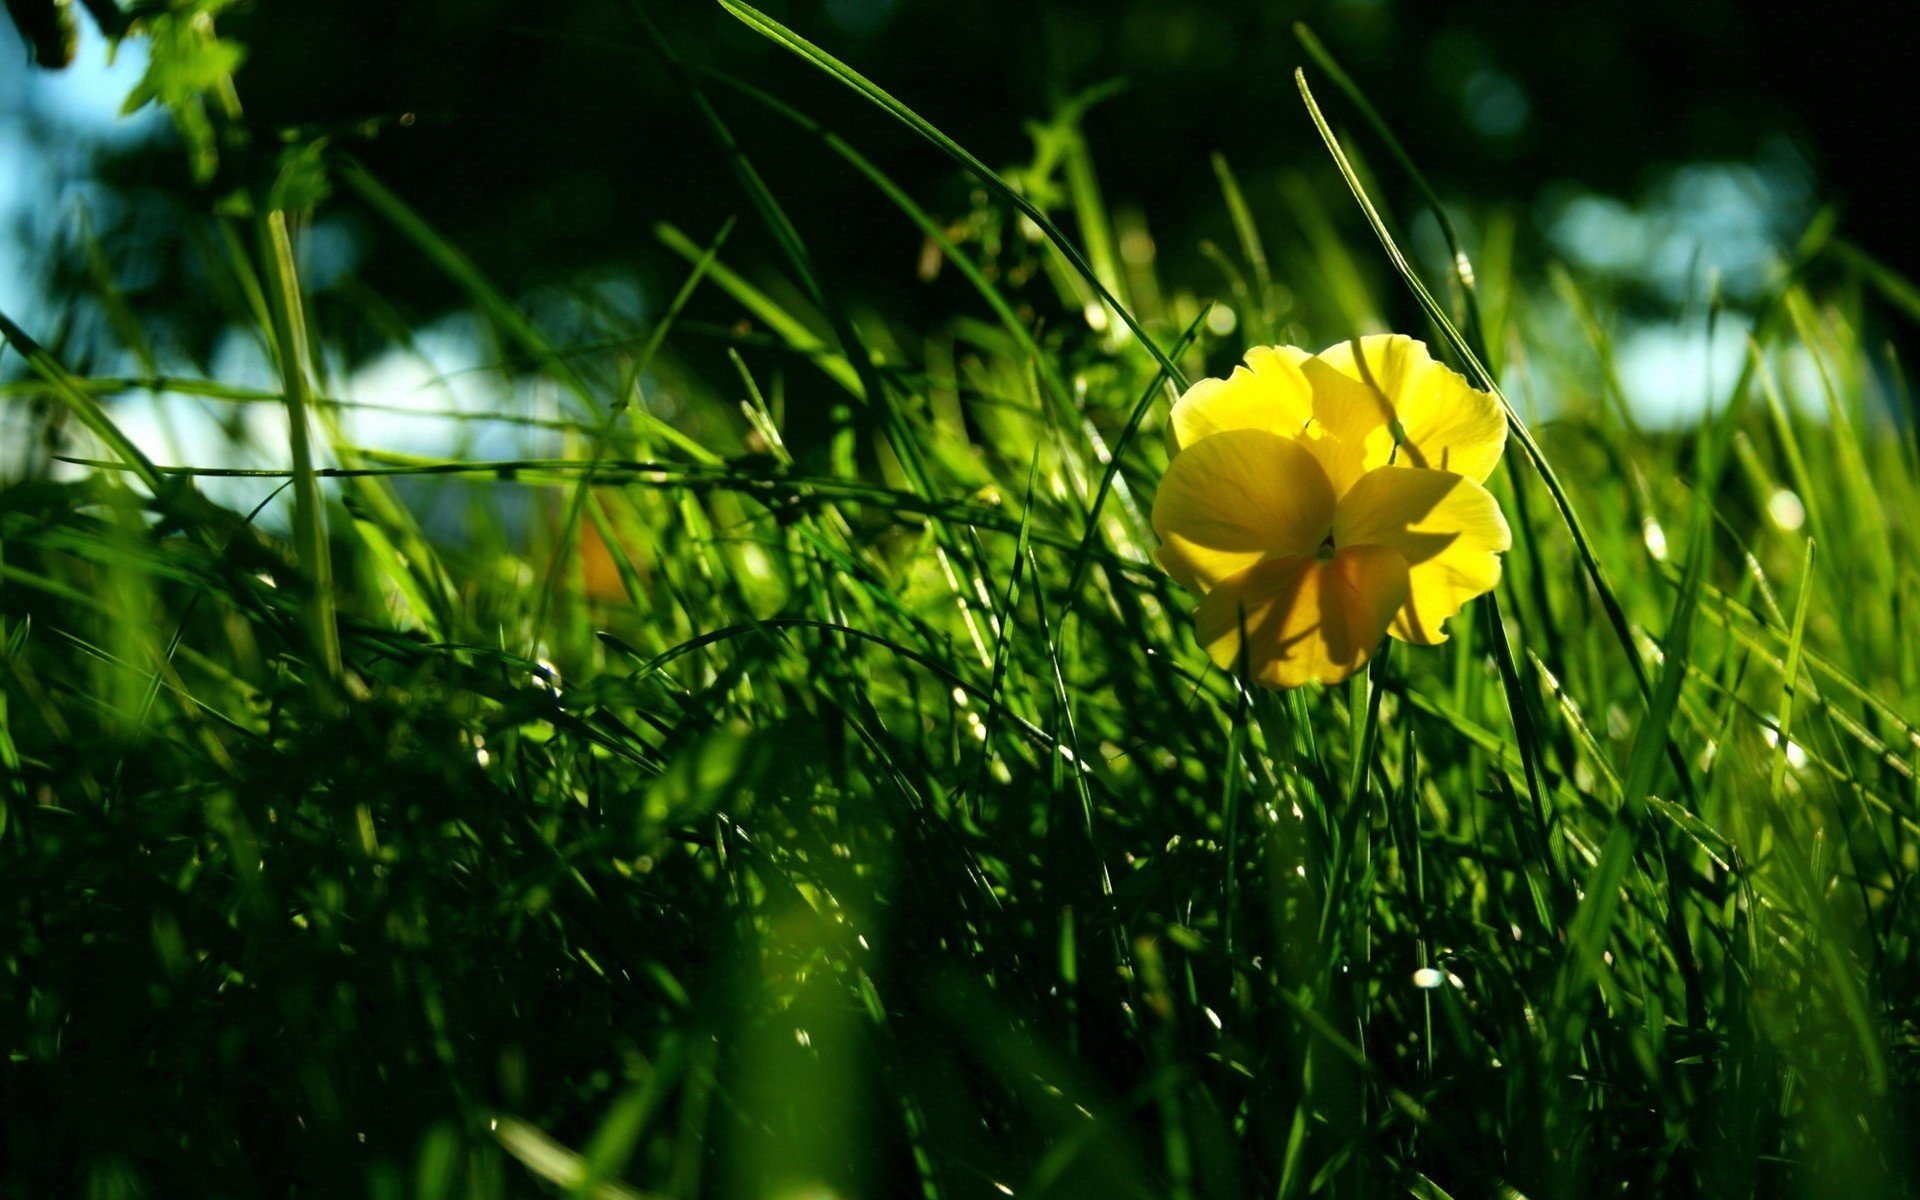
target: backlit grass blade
<point>555,1163</point>
<point>77,397</point>
<point>1251,248</point>
<point>309,506</point>
<point>1609,599</point>
<point>1461,265</point>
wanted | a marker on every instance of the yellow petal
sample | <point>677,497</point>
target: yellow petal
<point>1304,619</point>
<point>1445,422</point>
<point>1352,429</point>
<point>1268,392</point>
<point>1447,528</point>
<point>1234,498</point>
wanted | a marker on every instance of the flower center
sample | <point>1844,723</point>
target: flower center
<point>1326,549</point>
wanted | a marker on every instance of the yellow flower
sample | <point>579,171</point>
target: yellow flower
<point>1323,501</point>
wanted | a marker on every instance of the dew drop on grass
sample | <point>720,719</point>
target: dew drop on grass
<point>1786,509</point>
<point>1656,539</point>
<point>1796,753</point>
<point>1426,979</point>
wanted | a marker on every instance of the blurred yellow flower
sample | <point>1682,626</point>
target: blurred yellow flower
<point>1321,502</point>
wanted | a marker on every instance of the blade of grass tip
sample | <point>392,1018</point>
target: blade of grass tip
<point>1893,287</point>
<point>81,403</point>
<point>1090,209</point>
<point>1583,545</point>
<point>576,503</point>
<point>780,35</point>
<point>898,433</point>
<point>309,507</point>
<point>234,257</point>
<point>1461,264</point>
<point>1250,246</point>
<point>1797,469</point>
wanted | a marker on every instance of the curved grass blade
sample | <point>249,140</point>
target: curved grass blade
<point>779,34</point>
<point>309,507</point>
<point>1583,544</point>
<point>81,401</point>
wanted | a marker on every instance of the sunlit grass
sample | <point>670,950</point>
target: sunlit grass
<point>802,783</point>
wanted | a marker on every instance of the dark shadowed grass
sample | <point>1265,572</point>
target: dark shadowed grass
<point>817,792</point>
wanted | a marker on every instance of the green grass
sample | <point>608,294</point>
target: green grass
<point>821,794</point>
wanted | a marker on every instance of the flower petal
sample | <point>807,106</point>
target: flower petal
<point>1268,392</point>
<point>1234,498</point>
<point>1352,429</point>
<point>1445,422</point>
<point>1304,619</point>
<point>1447,528</point>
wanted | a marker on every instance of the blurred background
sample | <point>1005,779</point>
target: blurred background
<point>1631,180</point>
<point>1666,151</point>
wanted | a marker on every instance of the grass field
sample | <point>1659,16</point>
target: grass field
<point>797,781</point>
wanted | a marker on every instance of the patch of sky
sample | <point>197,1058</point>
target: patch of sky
<point>438,394</point>
<point>436,397</point>
<point>433,398</point>
<point>51,124</point>
<point>1671,373</point>
<point>1727,221</point>
<point>1702,229</point>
